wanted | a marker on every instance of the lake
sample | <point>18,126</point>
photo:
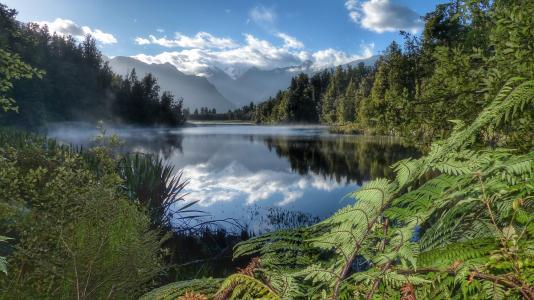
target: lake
<point>265,177</point>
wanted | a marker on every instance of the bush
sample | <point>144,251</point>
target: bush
<point>74,234</point>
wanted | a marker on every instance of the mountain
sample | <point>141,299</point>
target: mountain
<point>218,89</point>
<point>367,61</point>
<point>227,86</point>
<point>195,90</point>
<point>256,85</point>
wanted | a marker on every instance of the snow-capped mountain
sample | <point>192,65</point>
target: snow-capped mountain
<point>217,88</point>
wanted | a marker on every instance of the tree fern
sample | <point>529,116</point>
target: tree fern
<point>452,224</point>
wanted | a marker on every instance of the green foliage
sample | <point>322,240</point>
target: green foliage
<point>466,53</point>
<point>204,286</point>
<point>3,260</point>
<point>74,234</point>
<point>139,102</point>
<point>456,223</point>
<point>155,186</point>
<point>241,286</point>
<point>299,103</point>
<point>12,68</point>
<point>205,114</point>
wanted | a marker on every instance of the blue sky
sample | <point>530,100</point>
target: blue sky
<point>233,34</point>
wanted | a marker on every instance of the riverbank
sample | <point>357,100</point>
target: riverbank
<point>348,128</point>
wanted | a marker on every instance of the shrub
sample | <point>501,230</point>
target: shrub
<point>74,234</point>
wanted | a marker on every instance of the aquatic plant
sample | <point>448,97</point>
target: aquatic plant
<point>156,187</point>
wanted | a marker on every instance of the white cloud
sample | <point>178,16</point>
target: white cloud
<point>201,40</point>
<point>331,57</point>
<point>383,16</point>
<point>254,52</point>
<point>354,16</point>
<point>142,41</point>
<point>290,42</point>
<point>68,27</point>
<point>262,15</point>
<point>351,4</point>
<point>160,30</point>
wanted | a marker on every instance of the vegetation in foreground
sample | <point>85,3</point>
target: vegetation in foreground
<point>75,234</point>
<point>96,224</point>
<point>465,232</point>
<point>456,223</point>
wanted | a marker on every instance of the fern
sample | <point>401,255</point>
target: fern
<point>241,286</point>
<point>205,286</point>
<point>452,224</point>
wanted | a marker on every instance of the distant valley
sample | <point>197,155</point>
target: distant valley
<point>218,89</point>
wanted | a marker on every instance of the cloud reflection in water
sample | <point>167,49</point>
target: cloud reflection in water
<point>235,181</point>
<point>236,169</point>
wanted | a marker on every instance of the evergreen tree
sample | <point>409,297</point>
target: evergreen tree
<point>347,104</point>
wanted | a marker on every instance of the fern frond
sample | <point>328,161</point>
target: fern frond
<point>205,286</point>
<point>286,285</point>
<point>445,257</point>
<point>240,286</point>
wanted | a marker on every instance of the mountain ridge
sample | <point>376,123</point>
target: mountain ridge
<point>218,89</point>
<point>256,85</point>
<point>196,91</point>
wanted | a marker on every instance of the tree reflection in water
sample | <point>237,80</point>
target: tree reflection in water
<point>345,159</point>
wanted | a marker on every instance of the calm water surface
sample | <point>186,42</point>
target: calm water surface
<point>246,172</point>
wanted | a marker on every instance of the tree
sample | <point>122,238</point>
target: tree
<point>331,97</point>
<point>139,102</point>
<point>78,84</point>
<point>12,68</point>
<point>347,103</point>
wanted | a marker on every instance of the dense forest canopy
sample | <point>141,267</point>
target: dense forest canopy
<point>240,114</point>
<point>75,83</point>
<point>467,50</point>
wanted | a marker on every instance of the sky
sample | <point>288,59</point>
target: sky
<point>233,35</point>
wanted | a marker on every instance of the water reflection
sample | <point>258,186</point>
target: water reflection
<point>239,171</point>
<point>343,158</point>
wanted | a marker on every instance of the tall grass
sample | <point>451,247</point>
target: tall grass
<point>156,187</point>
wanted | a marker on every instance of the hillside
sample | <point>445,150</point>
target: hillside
<point>196,91</point>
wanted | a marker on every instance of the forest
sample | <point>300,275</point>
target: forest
<point>467,51</point>
<point>205,114</point>
<point>455,222</point>
<point>75,84</point>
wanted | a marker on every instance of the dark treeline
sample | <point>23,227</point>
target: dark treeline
<point>244,113</point>
<point>77,84</point>
<point>139,102</point>
<point>344,159</point>
<point>467,49</point>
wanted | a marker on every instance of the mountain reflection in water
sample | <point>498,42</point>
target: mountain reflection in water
<point>243,171</point>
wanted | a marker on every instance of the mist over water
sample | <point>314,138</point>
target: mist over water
<point>246,172</point>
